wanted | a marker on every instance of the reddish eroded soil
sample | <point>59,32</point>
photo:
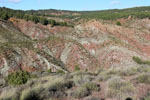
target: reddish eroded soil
<point>90,45</point>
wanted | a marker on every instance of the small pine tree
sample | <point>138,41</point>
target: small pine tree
<point>52,22</point>
<point>43,21</point>
<point>5,16</point>
<point>118,23</point>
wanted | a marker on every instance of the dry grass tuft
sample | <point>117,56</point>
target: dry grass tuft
<point>80,92</point>
<point>10,94</point>
<point>31,94</point>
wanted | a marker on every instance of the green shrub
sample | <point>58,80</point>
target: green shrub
<point>18,78</point>
<point>140,61</point>
<point>49,71</point>
<point>60,72</point>
<point>5,16</point>
<point>86,70</point>
<point>146,62</point>
<point>137,60</point>
<point>77,68</point>
<point>118,23</point>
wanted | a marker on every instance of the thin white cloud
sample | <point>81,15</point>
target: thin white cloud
<point>14,1</point>
<point>115,2</point>
<point>10,1</point>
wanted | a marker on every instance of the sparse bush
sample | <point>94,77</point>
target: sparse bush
<point>134,70</point>
<point>18,78</point>
<point>60,72</point>
<point>92,86</point>
<point>144,69</point>
<point>111,71</point>
<point>146,97</point>
<point>107,74</point>
<point>49,71</point>
<point>80,79</point>
<point>143,78</point>
<point>103,77</point>
<point>31,94</point>
<point>128,71</point>
<point>59,85</point>
<point>86,70</point>
<point>80,92</point>
<point>117,88</point>
<point>53,88</point>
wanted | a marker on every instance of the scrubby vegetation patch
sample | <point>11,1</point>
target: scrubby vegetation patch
<point>18,78</point>
<point>140,61</point>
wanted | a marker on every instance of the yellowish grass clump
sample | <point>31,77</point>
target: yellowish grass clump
<point>31,94</point>
<point>10,94</point>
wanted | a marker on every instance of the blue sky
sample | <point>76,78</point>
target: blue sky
<point>72,4</point>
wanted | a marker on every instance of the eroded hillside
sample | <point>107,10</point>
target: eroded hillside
<point>94,46</point>
<point>90,45</point>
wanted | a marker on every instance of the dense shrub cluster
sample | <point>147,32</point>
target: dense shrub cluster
<point>39,16</point>
<point>18,78</point>
<point>137,12</point>
<point>6,13</point>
